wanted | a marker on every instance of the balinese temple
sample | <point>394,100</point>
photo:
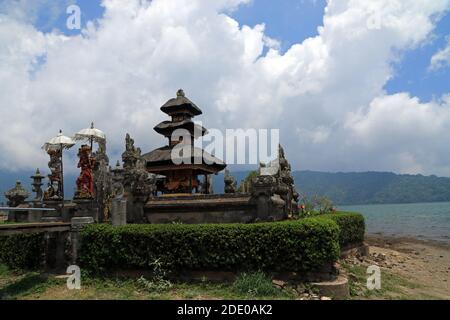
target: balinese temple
<point>156,187</point>
<point>184,177</point>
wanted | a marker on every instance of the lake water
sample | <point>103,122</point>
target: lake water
<point>429,221</point>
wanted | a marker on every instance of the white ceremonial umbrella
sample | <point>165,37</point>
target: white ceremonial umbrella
<point>91,134</point>
<point>60,142</point>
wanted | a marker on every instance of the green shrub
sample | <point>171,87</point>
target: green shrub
<point>255,284</point>
<point>22,251</point>
<point>302,245</point>
<point>314,206</point>
<point>159,281</point>
<point>351,225</point>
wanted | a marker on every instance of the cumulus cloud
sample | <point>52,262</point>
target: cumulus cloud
<point>441,59</point>
<point>325,94</point>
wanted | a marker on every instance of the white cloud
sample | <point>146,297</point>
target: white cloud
<point>441,59</point>
<point>403,133</point>
<point>325,94</point>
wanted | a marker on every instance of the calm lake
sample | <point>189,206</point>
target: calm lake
<point>428,221</point>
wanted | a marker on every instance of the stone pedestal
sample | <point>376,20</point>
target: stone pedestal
<point>86,208</point>
<point>35,216</point>
<point>52,215</point>
<point>119,212</point>
<point>21,216</point>
<point>337,289</point>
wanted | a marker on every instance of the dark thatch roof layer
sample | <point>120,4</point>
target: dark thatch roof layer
<point>167,127</point>
<point>163,155</point>
<point>181,104</point>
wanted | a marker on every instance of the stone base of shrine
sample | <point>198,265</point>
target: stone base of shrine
<point>221,208</point>
<point>85,208</point>
<point>75,208</point>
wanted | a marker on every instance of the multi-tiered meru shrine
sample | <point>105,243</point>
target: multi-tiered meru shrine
<point>182,177</point>
<point>156,187</point>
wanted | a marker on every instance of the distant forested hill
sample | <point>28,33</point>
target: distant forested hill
<point>366,187</point>
<point>342,188</point>
<point>373,187</point>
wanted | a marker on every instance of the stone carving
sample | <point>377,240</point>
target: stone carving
<point>85,182</point>
<point>131,154</point>
<point>37,185</point>
<point>117,179</point>
<point>136,180</point>
<point>289,194</point>
<point>230,183</point>
<point>102,180</point>
<point>54,188</point>
<point>276,184</point>
<point>17,195</point>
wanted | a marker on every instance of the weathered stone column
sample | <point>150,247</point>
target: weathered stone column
<point>77,225</point>
<point>119,212</point>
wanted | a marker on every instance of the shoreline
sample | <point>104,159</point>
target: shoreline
<point>389,240</point>
<point>423,264</point>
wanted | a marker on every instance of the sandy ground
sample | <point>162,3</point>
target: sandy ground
<point>424,263</point>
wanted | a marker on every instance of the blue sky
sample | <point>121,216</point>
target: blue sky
<point>412,73</point>
<point>292,21</point>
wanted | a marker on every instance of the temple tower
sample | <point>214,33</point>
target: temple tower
<point>182,177</point>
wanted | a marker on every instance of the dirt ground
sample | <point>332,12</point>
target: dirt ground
<point>420,269</point>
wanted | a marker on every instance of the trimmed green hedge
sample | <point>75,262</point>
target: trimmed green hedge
<point>303,245</point>
<point>22,251</point>
<point>352,227</point>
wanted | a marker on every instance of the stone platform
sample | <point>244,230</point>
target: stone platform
<point>201,208</point>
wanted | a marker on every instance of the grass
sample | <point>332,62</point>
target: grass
<point>39,286</point>
<point>255,284</point>
<point>4,271</point>
<point>393,286</point>
<point>32,285</point>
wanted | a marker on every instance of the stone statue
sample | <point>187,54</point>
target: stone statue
<point>136,180</point>
<point>230,183</point>
<point>85,182</point>
<point>54,189</point>
<point>138,185</point>
<point>102,180</point>
<point>276,185</point>
<point>131,154</point>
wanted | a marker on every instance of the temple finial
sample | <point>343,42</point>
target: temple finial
<point>180,93</point>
